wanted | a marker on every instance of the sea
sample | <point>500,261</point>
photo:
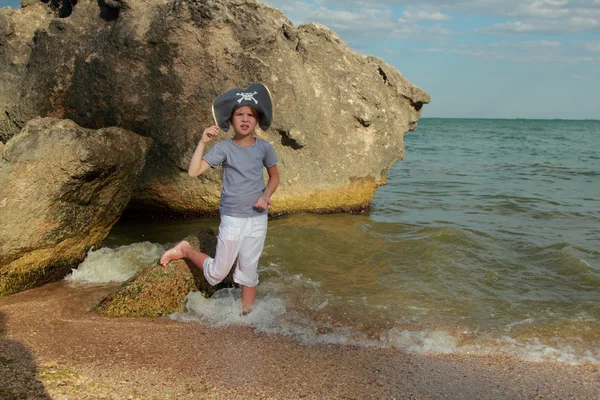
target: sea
<point>485,240</point>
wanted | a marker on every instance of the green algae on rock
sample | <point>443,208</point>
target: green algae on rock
<point>157,291</point>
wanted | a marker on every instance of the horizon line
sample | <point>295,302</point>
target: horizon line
<point>518,118</point>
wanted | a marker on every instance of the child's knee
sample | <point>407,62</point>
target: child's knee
<point>214,278</point>
<point>213,274</point>
<point>250,278</point>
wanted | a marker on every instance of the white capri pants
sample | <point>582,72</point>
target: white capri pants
<point>243,238</point>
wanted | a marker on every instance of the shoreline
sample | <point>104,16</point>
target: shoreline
<point>48,334</point>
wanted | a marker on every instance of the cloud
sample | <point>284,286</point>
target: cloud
<point>512,27</point>
<point>584,22</point>
<point>437,31</point>
<point>462,27</point>
<point>592,47</point>
<point>529,16</point>
<point>421,15</point>
<point>537,51</point>
<point>364,22</point>
<point>527,52</point>
<point>528,44</point>
<point>540,43</point>
<point>517,17</point>
<point>356,20</point>
<point>430,50</point>
<point>506,8</point>
<point>572,25</point>
<point>541,9</point>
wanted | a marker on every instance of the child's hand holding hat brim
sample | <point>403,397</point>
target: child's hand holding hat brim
<point>209,133</point>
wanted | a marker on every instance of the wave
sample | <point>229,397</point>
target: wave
<point>271,316</point>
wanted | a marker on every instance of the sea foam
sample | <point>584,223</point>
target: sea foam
<point>115,265</point>
<point>224,309</point>
<point>271,316</point>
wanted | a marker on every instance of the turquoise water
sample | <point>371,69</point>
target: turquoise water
<point>485,240</point>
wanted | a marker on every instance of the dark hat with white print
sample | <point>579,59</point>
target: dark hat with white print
<point>256,95</point>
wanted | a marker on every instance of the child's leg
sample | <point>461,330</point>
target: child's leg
<point>248,296</point>
<point>228,245</point>
<point>184,250</point>
<point>231,231</point>
<point>250,251</point>
<point>216,269</point>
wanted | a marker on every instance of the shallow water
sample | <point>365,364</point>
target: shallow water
<point>485,240</point>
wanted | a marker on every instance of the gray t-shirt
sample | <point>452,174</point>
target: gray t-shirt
<point>243,181</point>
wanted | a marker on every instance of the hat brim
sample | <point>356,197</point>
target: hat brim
<point>256,96</point>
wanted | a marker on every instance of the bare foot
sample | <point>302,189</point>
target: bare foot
<point>176,253</point>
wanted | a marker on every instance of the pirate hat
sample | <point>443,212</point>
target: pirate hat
<point>256,95</point>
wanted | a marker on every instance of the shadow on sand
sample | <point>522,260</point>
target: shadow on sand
<point>18,369</point>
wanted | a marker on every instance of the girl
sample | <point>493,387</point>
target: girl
<point>244,196</point>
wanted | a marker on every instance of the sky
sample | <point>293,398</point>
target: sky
<point>475,58</point>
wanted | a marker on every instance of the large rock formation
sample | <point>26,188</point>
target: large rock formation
<point>62,188</point>
<point>154,67</point>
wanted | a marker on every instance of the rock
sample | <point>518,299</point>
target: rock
<point>27,3</point>
<point>154,67</point>
<point>17,29</point>
<point>157,291</point>
<point>62,188</point>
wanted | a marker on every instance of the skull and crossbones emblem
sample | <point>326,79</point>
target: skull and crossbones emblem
<point>247,97</point>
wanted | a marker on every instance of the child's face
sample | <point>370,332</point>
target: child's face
<point>243,121</point>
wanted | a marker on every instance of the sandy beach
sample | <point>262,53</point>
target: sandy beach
<point>53,347</point>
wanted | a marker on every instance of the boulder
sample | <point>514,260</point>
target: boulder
<point>155,66</point>
<point>62,188</point>
<point>157,291</point>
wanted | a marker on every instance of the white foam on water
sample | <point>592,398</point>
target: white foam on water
<point>306,319</point>
<point>271,316</point>
<point>115,265</point>
<point>442,342</point>
<point>284,279</point>
<point>422,342</point>
<point>526,321</point>
<point>312,333</point>
<point>535,350</point>
<point>585,263</point>
<point>224,309</point>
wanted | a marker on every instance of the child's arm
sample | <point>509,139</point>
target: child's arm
<point>197,165</point>
<point>264,200</point>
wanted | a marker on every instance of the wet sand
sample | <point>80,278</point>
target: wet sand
<point>53,347</point>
